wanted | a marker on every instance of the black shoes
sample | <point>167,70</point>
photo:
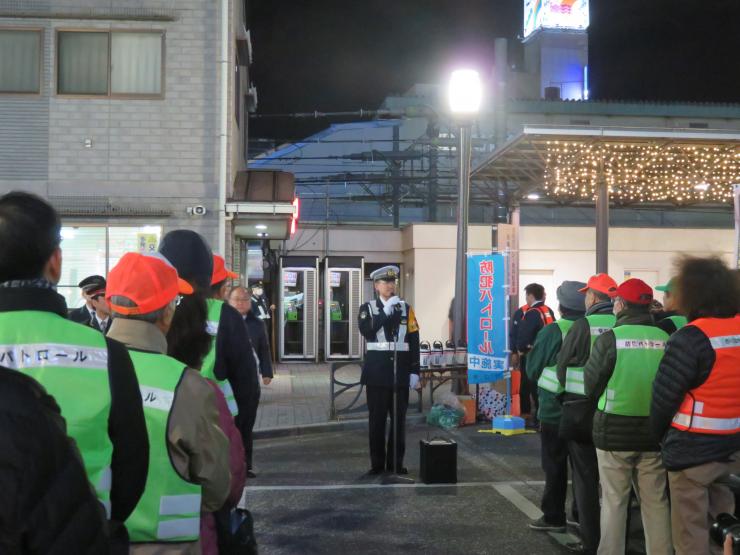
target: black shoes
<point>577,547</point>
<point>374,472</point>
<point>542,525</point>
<point>251,474</point>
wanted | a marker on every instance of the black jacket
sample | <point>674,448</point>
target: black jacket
<point>530,326</point>
<point>126,425</point>
<point>615,432</point>
<point>234,358</point>
<point>687,363</point>
<point>576,420</point>
<point>377,368</point>
<point>48,505</point>
<point>80,315</point>
<point>258,336</point>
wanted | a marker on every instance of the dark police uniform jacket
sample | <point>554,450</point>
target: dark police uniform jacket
<point>379,331</point>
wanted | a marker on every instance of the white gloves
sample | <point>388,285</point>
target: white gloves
<point>413,381</point>
<point>393,301</point>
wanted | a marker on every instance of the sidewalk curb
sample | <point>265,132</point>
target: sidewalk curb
<point>323,428</point>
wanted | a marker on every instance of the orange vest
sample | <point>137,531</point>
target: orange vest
<point>713,407</point>
<point>544,311</point>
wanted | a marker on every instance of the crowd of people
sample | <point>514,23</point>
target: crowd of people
<point>126,423</point>
<point>641,401</point>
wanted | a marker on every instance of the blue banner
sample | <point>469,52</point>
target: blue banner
<point>487,321</point>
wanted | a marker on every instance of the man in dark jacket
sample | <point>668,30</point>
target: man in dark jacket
<point>695,409</point>
<point>116,454</point>
<point>389,326</point>
<point>618,377</point>
<point>239,298</point>
<point>537,316</point>
<point>541,370</point>
<point>577,411</point>
<point>48,505</point>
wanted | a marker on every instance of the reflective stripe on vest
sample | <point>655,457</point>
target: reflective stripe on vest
<point>598,325</point>
<point>639,352</point>
<point>549,377</point>
<point>380,335</point>
<point>207,370</point>
<point>71,362</point>
<point>387,346</point>
<point>713,408</point>
<point>262,314</point>
<point>169,509</point>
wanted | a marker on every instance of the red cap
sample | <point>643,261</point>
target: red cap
<point>220,271</point>
<point>635,291</point>
<point>150,281</point>
<point>601,283</point>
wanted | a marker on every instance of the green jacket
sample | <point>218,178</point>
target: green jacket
<point>543,354</point>
<point>614,432</point>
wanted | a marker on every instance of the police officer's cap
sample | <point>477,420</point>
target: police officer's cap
<point>386,273</point>
<point>92,283</point>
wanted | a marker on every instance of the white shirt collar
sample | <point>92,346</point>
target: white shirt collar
<point>385,303</point>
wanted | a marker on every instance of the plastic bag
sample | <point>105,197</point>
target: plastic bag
<point>446,417</point>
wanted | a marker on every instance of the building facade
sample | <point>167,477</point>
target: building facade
<point>115,113</point>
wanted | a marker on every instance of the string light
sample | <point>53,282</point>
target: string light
<point>642,172</point>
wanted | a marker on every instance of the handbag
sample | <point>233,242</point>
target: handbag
<point>235,530</point>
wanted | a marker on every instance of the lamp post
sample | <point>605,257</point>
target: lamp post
<point>465,94</point>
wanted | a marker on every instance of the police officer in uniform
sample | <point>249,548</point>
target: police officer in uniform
<point>387,323</point>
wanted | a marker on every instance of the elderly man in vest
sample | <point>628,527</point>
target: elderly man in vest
<point>619,377</point>
<point>577,414</point>
<point>89,375</point>
<point>695,409</point>
<point>389,326</point>
<point>541,369</point>
<point>189,462</point>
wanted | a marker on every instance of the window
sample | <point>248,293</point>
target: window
<point>89,250</point>
<point>20,61</point>
<point>118,63</point>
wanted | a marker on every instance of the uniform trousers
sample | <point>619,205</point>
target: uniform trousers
<point>245,422</point>
<point>696,500</point>
<point>642,470</point>
<point>380,407</point>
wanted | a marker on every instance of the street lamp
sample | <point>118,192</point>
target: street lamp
<point>465,95</point>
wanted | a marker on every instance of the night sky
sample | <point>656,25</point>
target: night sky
<point>332,55</point>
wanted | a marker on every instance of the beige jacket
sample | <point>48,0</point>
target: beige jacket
<point>197,447</point>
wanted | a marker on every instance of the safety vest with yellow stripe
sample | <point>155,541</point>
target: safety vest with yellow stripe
<point>209,362</point>
<point>713,407</point>
<point>169,509</point>
<point>639,352</point>
<point>549,377</point>
<point>598,324</point>
<point>71,362</point>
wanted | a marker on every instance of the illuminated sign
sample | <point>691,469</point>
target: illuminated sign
<point>555,14</point>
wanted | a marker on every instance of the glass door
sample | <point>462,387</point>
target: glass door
<point>293,311</point>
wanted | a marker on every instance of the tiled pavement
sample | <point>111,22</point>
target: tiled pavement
<point>299,395</point>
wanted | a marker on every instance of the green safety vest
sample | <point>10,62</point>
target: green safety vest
<point>639,352</point>
<point>549,377</point>
<point>169,510</point>
<point>679,321</point>
<point>599,323</point>
<point>71,362</point>
<point>209,362</point>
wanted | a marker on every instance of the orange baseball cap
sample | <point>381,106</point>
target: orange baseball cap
<point>220,272</point>
<point>602,283</point>
<point>635,291</point>
<point>150,281</point>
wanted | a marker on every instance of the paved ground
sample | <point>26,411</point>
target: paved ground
<point>299,395</point>
<point>310,497</point>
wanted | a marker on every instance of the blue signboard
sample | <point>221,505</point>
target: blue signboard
<point>487,320</point>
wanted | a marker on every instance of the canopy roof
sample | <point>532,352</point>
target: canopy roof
<point>640,165</point>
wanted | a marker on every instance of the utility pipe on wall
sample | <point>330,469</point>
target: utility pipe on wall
<point>224,126</point>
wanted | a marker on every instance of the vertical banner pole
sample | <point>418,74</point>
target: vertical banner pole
<point>736,256</point>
